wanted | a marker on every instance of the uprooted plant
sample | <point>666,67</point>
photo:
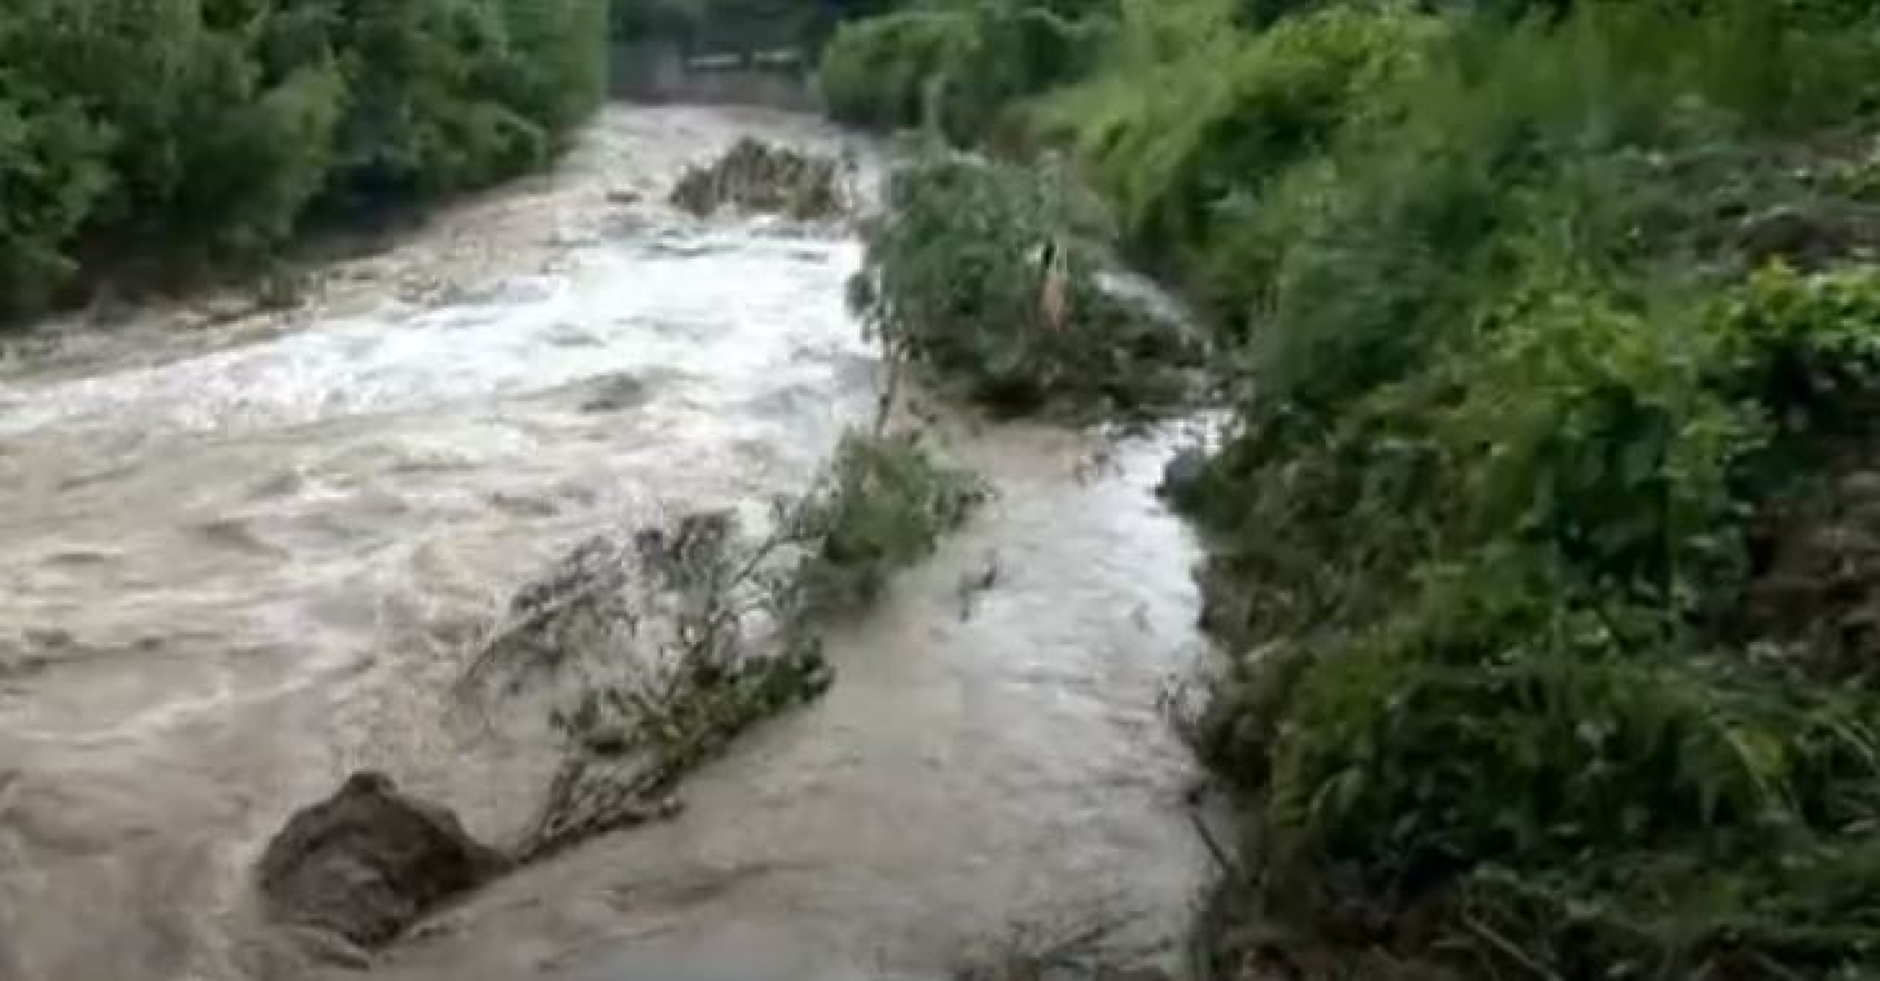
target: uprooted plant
<point>674,643</point>
<point>988,277</point>
<point>882,506</point>
<point>756,177</point>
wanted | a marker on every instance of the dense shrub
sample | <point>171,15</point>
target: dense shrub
<point>962,65</point>
<point>986,275</point>
<point>883,505</point>
<point>873,72</point>
<point>1204,114</point>
<point>52,174</point>
<point>1547,314</point>
<point>185,132</point>
<point>1517,395</point>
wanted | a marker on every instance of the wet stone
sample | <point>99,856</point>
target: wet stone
<point>616,393</point>
<point>367,862</point>
<point>1182,477</point>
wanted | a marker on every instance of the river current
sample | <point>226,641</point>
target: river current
<point>241,558</point>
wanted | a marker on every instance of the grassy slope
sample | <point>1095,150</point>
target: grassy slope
<point>1543,327</point>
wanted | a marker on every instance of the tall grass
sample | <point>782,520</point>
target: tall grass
<point>1545,314</point>
<point>957,67</point>
<point>1497,456</point>
<point>1510,291</point>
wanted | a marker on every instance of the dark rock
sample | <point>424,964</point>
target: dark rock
<point>1182,476</point>
<point>616,393</point>
<point>368,861</point>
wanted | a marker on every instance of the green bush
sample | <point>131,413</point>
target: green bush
<point>52,174</point>
<point>1516,769</point>
<point>1518,393</point>
<point>1482,685</point>
<point>183,133</point>
<point>884,505</point>
<point>958,277</point>
<point>1227,111</point>
<point>874,72</point>
<point>962,65</point>
<point>1544,312</point>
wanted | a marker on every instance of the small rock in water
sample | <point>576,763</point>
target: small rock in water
<point>367,862</point>
<point>615,393</point>
<point>1183,475</point>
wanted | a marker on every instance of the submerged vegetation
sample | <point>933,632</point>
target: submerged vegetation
<point>671,645</point>
<point>1538,533</point>
<point>882,506</point>
<point>988,276</point>
<point>175,135</point>
<point>754,176</point>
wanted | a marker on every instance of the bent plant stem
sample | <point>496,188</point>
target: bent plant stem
<point>703,667</point>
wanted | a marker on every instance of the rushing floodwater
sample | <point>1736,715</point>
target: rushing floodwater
<point>236,564</point>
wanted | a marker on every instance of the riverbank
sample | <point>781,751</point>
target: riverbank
<point>1552,340</point>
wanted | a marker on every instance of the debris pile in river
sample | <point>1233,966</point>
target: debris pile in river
<point>699,591</point>
<point>705,642</point>
<point>682,639</point>
<point>757,177</point>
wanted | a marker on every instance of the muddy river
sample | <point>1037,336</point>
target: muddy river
<point>243,554</point>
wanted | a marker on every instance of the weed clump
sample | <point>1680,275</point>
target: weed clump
<point>987,275</point>
<point>1172,142</point>
<point>883,506</point>
<point>755,177</point>
<point>157,142</point>
<point>1543,540</point>
<point>1521,389</point>
<point>668,646</point>
<point>957,68</point>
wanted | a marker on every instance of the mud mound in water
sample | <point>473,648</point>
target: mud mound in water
<point>367,862</point>
<point>756,177</point>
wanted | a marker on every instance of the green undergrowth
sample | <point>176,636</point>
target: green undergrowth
<point>1532,338</point>
<point>883,506</point>
<point>1548,319</point>
<point>1191,119</point>
<point>957,66</point>
<point>158,139</point>
<point>986,276</point>
<point>665,648</point>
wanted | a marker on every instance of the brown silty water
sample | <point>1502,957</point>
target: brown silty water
<point>238,564</point>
